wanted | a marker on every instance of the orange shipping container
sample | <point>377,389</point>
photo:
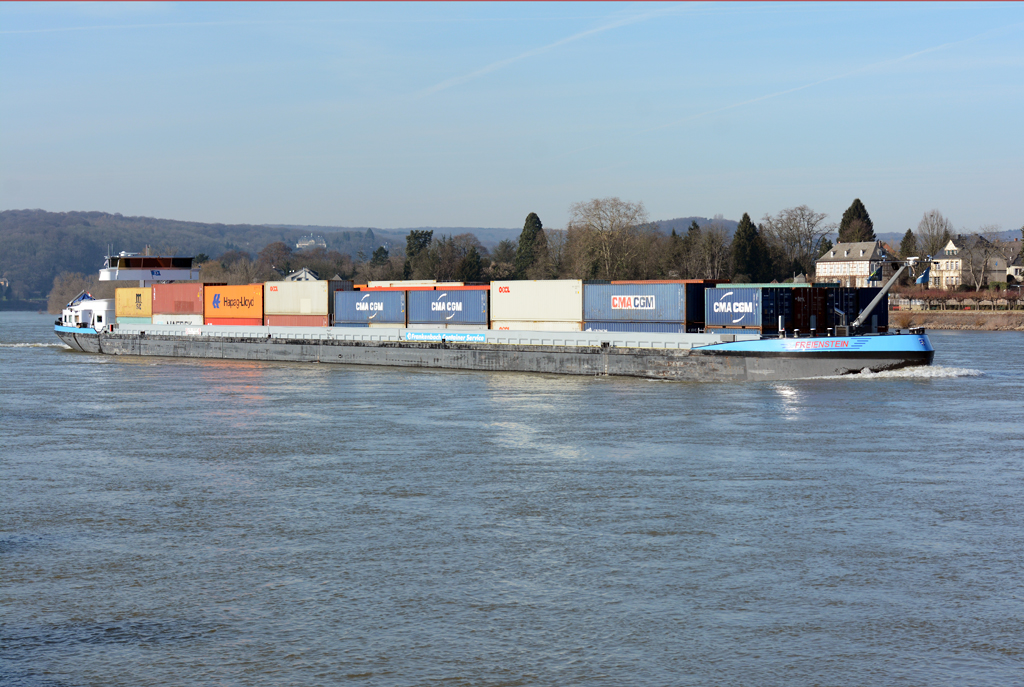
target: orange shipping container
<point>296,321</point>
<point>234,321</point>
<point>245,301</point>
<point>178,299</point>
<point>133,302</point>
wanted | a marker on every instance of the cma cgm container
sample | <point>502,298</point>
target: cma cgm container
<point>133,302</point>
<point>295,298</point>
<point>190,320</point>
<point>620,326</point>
<point>364,307</point>
<point>556,300</point>
<point>733,307</point>
<point>448,307</point>
<point>634,303</point>
<point>178,299</point>
<point>244,302</point>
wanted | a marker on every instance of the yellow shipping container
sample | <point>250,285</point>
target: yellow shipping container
<point>245,301</point>
<point>133,302</point>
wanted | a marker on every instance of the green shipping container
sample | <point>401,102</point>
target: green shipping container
<point>135,320</point>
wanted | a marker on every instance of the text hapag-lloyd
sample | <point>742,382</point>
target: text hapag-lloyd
<point>241,302</point>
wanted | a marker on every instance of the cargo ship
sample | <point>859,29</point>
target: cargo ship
<point>685,330</point>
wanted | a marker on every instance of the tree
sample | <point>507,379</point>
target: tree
<point>471,267</point>
<point>608,238</point>
<point>796,235</point>
<point>749,252</point>
<point>380,257</point>
<point>532,246</point>
<point>908,246</point>
<point>200,258</point>
<point>934,232</point>
<point>856,224</point>
<point>275,255</point>
<point>416,244</point>
<point>711,252</point>
<point>824,246</point>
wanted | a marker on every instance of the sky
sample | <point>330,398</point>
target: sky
<point>476,114</point>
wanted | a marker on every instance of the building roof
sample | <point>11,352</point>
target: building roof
<point>305,274</point>
<point>858,250</point>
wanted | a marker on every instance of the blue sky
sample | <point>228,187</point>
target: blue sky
<point>465,114</point>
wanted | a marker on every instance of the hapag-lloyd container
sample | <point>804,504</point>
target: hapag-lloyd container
<point>227,302</point>
<point>634,303</point>
<point>234,321</point>
<point>369,306</point>
<point>537,326</point>
<point>732,307</point>
<point>295,320</point>
<point>555,300</point>
<point>621,326</point>
<point>448,307</point>
<point>295,298</point>
<point>189,320</point>
<point>133,302</point>
<point>177,299</point>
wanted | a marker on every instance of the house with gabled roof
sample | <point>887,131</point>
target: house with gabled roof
<point>854,264</point>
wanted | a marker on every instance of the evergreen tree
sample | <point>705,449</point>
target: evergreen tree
<point>908,246</point>
<point>380,257</point>
<point>416,244</point>
<point>856,224</point>
<point>749,252</point>
<point>471,267</point>
<point>824,246</point>
<point>532,245</point>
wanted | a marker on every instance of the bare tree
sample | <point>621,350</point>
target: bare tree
<point>978,254</point>
<point>796,233</point>
<point>710,257</point>
<point>933,232</point>
<point>608,238</point>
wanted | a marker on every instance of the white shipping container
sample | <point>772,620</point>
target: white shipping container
<point>189,320</point>
<point>535,326</point>
<point>386,325</point>
<point>295,298</point>
<point>449,327</point>
<point>408,283</point>
<point>556,300</point>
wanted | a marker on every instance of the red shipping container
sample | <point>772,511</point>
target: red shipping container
<point>296,321</point>
<point>178,299</point>
<point>234,321</point>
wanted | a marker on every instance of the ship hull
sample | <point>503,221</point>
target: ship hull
<point>740,361</point>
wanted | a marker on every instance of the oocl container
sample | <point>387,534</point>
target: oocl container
<point>538,326</point>
<point>231,302</point>
<point>448,307</point>
<point>295,298</point>
<point>133,302</point>
<point>732,307</point>
<point>555,300</point>
<point>178,299</point>
<point>370,306</point>
<point>634,303</point>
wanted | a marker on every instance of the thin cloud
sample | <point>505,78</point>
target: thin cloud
<point>501,64</point>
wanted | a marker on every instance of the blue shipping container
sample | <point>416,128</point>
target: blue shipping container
<point>732,307</point>
<point>634,302</point>
<point>864,296</point>
<point>448,307</point>
<point>619,326</point>
<point>369,306</point>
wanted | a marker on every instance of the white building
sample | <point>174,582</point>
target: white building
<point>852,264</point>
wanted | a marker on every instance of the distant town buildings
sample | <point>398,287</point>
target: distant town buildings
<point>864,263</point>
<point>975,262</point>
<point>307,242</point>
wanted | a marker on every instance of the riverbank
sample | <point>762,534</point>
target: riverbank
<point>982,320</point>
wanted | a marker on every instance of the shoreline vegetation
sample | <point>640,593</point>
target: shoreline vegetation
<point>967,320</point>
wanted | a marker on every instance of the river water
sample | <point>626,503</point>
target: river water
<point>170,521</point>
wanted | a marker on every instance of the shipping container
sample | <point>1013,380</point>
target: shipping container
<point>295,320</point>
<point>879,317</point>
<point>538,326</point>
<point>733,306</point>
<point>403,284</point>
<point>620,326</point>
<point>178,299</point>
<point>370,306</point>
<point>634,302</point>
<point>133,302</point>
<point>364,325</point>
<point>555,300</point>
<point>810,309</point>
<point>191,320</point>
<point>134,320</point>
<point>229,302</point>
<point>295,298</point>
<point>234,321</point>
<point>448,306</point>
<point>430,327</point>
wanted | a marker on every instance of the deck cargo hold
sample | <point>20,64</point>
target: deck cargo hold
<point>296,320</point>
<point>133,302</point>
<point>178,299</point>
<point>295,298</point>
<point>553,300</point>
<point>538,325</point>
<point>232,302</point>
<point>448,306</point>
<point>189,320</point>
<point>370,306</point>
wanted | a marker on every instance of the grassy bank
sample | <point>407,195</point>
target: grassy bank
<point>984,320</point>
